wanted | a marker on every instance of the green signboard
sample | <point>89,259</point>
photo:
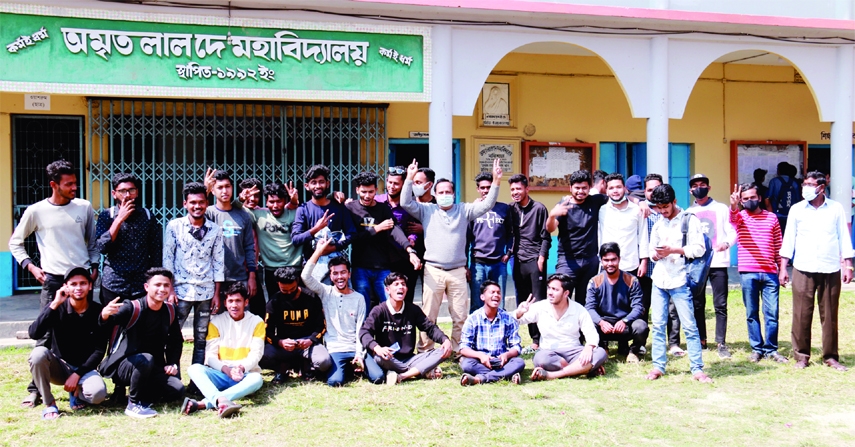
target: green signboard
<point>179,59</point>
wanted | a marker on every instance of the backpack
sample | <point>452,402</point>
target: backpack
<point>788,195</point>
<point>697,269</point>
<point>118,346</point>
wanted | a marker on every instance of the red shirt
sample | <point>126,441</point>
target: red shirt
<point>759,239</point>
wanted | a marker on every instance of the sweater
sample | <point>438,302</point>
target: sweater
<point>65,235</point>
<point>531,239</point>
<point>445,230</point>
<point>301,317</point>
<point>238,241</point>
<point>344,314</point>
<point>384,328</point>
<point>759,239</point>
<point>613,302</point>
<point>235,343</point>
<point>491,235</point>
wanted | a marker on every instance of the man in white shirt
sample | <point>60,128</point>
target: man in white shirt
<point>816,240</point>
<point>234,347</point>
<point>621,222</point>
<point>561,323</point>
<point>715,223</point>
<point>669,280</point>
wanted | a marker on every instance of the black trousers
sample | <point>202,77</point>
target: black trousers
<point>580,272</point>
<point>147,381</point>
<point>529,280</point>
<point>257,303</point>
<point>646,292</point>
<point>636,331</point>
<point>718,280</point>
<point>201,316</point>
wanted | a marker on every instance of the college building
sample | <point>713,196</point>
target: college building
<point>267,88</point>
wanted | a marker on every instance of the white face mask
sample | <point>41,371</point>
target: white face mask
<point>420,190</point>
<point>445,200</point>
<point>809,192</point>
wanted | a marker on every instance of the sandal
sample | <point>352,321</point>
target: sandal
<point>516,379</point>
<point>654,374</point>
<point>189,406</point>
<point>32,400</point>
<point>702,377</point>
<point>601,371</point>
<point>538,374</point>
<point>436,374</point>
<point>467,379</point>
<point>227,408</point>
<point>75,402</point>
<point>51,413</point>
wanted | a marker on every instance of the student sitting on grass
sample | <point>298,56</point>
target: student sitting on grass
<point>76,347</point>
<point>344,311</point>
<point>390,333</point>
<point>235,344</point>
<point>491,341</point>
<point>562,323</point>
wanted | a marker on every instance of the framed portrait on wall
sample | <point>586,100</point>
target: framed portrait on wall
<point>548,164</point>
<point>496,104</point>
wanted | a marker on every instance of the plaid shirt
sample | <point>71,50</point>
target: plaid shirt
<point>651,221</point>
<point>493,337</point>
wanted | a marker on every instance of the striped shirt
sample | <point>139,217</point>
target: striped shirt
<point>493,337</point>
<point>759,239</point>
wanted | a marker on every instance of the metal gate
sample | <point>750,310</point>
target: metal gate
<point>168,143</point>
<point>39,140</point>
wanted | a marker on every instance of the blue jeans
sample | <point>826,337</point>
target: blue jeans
<point>753,284</point>
<point>340,365</point>
<point>366,281</point>
<point>682,299</point>
<point>481,272</point>
<point>216,384</point>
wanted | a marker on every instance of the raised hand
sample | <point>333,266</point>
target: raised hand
<point>525,305</point>
<point>735,197</point>
<point>292,193</point>
<point>497,170</point>
<point>412,169</point>
<point>112,308</point>
<point>210,181</point>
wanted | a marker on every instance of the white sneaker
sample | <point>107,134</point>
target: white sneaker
<point>391,378</point>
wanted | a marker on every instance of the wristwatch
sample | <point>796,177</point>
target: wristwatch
<point>411,250</point>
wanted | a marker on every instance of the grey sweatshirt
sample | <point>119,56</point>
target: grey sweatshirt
<point>445,231</point>
<point>344,314</point>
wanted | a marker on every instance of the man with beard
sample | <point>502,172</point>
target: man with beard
<point>577,219</point>
<point>295,330</point>
<point>131,240</point>
<point>322,218</point>
<point>411,226</point>
<point>252,201</point>
<point>562,324</point>
<point>273,231</point>
<point>531,247</point>
<point>193,252</point>
<point>65,233</point>
<point>379,244</point>
<point>389,332</point>
<point>235,345</point>
<point>77,346</point>
<point>490,346</point>
<point>344,312</point>
<point>620,221</point>
<point>614,302</point>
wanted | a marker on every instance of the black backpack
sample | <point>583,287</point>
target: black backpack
<point>697,269</point>
<point>788,195</point>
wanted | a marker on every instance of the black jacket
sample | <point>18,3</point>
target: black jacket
<point>77,339</point>
<point>154,332</point>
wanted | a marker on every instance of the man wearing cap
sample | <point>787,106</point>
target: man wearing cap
<point>76,347</point>
<point>715,223</point>
<point>65,233</point>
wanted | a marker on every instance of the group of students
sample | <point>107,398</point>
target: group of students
<point>622,255</point>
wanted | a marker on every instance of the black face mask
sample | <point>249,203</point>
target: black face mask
<point>751,205</point>
<point>700,192</point>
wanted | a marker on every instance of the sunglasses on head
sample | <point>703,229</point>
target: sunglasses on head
<point>397,170</point>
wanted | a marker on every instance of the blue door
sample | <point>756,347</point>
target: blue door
<point>631,159</point>
<point>402,151</point>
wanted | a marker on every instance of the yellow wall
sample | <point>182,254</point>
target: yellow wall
<point>10,104</point>
<point>569,98</point>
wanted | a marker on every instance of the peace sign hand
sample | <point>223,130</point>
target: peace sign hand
<point>736,197</point>
<point>525,305</point>
<point>497,170</point>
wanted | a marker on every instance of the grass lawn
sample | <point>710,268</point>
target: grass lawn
<point>749,404</point>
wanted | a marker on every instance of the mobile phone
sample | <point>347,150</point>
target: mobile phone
<point>395,347</point>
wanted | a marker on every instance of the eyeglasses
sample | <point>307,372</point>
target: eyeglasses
<point>126,191</point>
<point>396,170</point>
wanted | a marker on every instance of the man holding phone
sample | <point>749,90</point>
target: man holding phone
<point>131,240</point>
<point>389,332</point>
